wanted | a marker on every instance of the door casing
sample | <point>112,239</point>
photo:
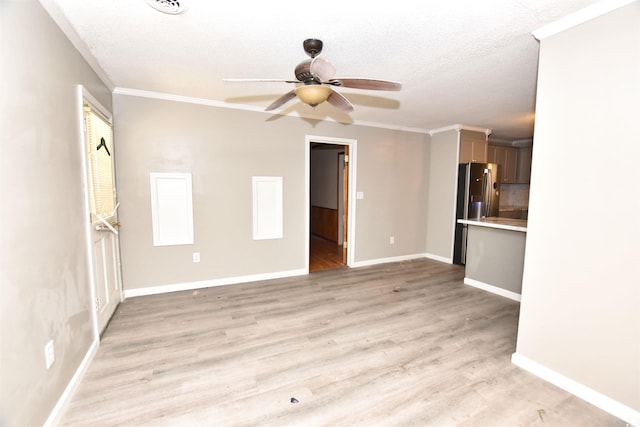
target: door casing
<point>351,196</point>
<point>102,251</point>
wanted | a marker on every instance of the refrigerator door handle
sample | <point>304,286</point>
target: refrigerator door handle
<point>488,194</point>
<point>484,210</point>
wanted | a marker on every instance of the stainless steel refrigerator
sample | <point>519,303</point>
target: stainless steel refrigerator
<point>478,197</point>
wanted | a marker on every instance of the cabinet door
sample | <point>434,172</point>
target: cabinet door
<point>507,159</point>
<point>473,151</point>
<point>509,171</point>
<point>492,155</point>
<point>524,165</point>
<point>479,151</point>
<point>496,154</point>
<point>466,151</point>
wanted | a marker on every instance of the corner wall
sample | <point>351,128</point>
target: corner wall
<point>43,263</point>
<point>443,181</point>
<point>580,323</point>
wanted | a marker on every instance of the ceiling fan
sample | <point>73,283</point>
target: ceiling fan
<point>315,82</point>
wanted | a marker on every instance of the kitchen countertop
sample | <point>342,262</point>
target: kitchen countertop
<point>499,223</point>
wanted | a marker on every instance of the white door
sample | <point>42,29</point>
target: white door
<point>103,207</point>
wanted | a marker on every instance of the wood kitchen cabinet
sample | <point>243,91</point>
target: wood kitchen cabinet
<point>507,158</point>
<point>524,165</point>
<point>473,147</point>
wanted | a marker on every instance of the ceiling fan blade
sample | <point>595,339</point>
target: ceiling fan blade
<point>322,68</point>
<point>339,101</point>
<point>281,101</point>
<point>372,84</point>
<point>260,80</point>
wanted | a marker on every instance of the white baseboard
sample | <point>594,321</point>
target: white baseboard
<point>152,290</point>
<point>585,393</point>
<point>493,289</point>
<point>439,258</point>
<point>386,260</point>
<point>56,414</point>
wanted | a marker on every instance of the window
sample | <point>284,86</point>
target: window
<point>99,140</point>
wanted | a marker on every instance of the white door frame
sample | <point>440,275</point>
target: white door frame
<point>351,208</point>
<point>83,96</point>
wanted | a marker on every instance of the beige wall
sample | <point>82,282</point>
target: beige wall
<point>43,267</point>
<point>324,177</point>
<point>580,314</point>
<point>223,149</point>
<point>442,194</point>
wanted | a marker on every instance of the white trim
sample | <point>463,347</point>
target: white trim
<point>221,104</point>
<point>56,414</point>
<point>177,287</point>
<point>594,397</point>
<point>459,127</point>
<point>267,207</point>
<point>180,210</point>
<point>493,289</point>
<point>579,17</point>
<point>351,208</point>
<point>439,258</point>
<point>388,260</point>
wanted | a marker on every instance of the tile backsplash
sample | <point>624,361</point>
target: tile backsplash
<point>514,195</point>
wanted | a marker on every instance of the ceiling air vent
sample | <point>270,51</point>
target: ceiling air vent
<point>172,7</point>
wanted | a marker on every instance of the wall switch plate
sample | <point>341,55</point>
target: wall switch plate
<point>392,240</point>
<point>359,195</point>
<point>196,257</point>
<point>49,354</point>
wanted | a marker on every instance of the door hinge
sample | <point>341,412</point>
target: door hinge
<point>97,304</point>
<point>346,158</point>
<point>345,245</point>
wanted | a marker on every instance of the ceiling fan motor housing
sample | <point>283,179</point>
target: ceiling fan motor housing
<point>303,72</point>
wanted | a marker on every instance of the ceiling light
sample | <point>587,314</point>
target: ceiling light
<point>171,7</point>
<point>313,94</point>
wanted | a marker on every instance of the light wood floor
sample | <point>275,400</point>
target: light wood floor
<point>324,254</point>
<point>395,344</point>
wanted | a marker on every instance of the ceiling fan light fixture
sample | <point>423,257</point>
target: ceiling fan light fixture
<point>313,94</point>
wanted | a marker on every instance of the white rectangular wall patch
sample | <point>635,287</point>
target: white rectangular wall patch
<point>171,209</point>
<point>267,207</point>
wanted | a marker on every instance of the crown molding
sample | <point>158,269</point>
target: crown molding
<point>459,127</point>
<point>579,17</point>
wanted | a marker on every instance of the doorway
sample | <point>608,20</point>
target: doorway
<point>103,243</point>
<point>330,173</point>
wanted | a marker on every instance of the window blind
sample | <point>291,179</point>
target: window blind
<point>99,140</point>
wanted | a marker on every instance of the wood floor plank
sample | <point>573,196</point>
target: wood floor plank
<point>394,344</point>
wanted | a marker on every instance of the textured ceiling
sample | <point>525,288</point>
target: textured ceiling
<point>465,62</point>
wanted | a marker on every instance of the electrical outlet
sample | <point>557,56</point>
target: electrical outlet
<point>392,240</point>
<point>196,257</point>
<point>49,354</point>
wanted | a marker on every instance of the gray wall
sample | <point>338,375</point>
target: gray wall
<point>324,177</point>
<point>443,175</point>
<point>223,149</point>
<point>43,266</point>
<point>580,297</point>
